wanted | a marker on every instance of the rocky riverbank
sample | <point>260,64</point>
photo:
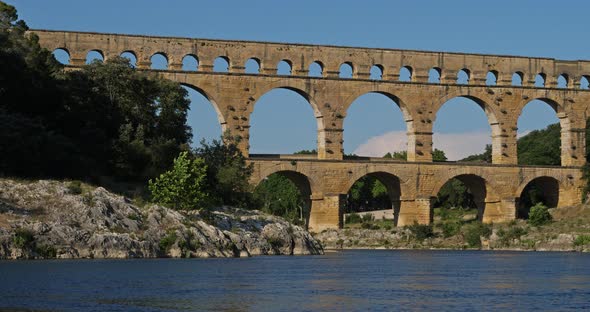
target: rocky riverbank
<point>52,219</point>
<point>569,231</point>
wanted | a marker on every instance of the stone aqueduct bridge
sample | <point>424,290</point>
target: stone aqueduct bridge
<point>327,177</point>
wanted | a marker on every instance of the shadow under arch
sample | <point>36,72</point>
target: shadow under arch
<point>301,181</point>
<point>299,90</point>
<point>542,189</point>
<point>392,185</point>
<point>478,189</point>
<point>488,110</point>
<point>220,116</point>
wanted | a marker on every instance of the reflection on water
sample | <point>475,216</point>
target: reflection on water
<point>349,280</point>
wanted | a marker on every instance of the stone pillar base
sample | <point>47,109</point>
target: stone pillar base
<point>326,212</point>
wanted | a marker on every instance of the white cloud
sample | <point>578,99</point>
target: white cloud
<point>455,145</point>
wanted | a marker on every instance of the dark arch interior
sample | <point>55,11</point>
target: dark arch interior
<point>540,190</point>
<point>286,194</point>
<point>467,192</point>
<point>375,191</point>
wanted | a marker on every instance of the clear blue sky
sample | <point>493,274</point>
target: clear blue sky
<point>557,29</point>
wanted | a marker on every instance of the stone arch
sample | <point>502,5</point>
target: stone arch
<point>376,72</point>
<point>94,54</point>
<point>517,78</point>
<point>62,55</point>
<point>346,70</point>
<point>540,80</point>
<point>406,73</point>
<point>131,56</point>
<point>407,113</point>
<point>434,75</point>
<point>221,64</point>
<point>301,180</point>
<point>285,67</point>
<point>563,80</point>
<point>477,185</point>
<point>564,121</point>
<point>392,184</point>
<point>220,116</point>
<point>297,87</point>
<point>463,76</point>
<point>316,69</point>
<point>252,66</point>
<point>545,187</point>
<point>585,82</point>
<point>159,56</point>
<point>190,62</point>
<point>492,78</point>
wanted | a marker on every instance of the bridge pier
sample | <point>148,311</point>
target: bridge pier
<point>326,212</point>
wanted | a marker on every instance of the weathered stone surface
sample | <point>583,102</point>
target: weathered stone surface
<point>99,224</point>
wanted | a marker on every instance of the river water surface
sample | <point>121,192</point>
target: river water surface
<point>359,280</point>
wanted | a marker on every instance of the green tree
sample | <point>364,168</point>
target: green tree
<point>228,175</point>
<point>485,157</point>
<point>539,215</point>
<point>438,155</point>
<point>279,196</point>
<point>402,155</point>
<point>541,147</point>
<point>183,186</point>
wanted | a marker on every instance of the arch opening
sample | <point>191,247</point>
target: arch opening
<point>190,62</point>
<point>563,81</point>
<point>517,78</point>
<point>405,73</point>
<point>463,127</point>
<point>544,190</point>
<point>204,118</point>
<point>221,64</point>
<point>463,76</point>
<point>284,68</point>
<point>434,75</point>
<point>373,201</point>
<point>286,194</point>
<point>252,66</point>
<point>62,56</point>
<point>585,82</point>
<point>283,121</point>
<point>131,57</point>
<point>461,198</point>
<point>540,80</point>
<point>159,61</point>
<point>94,55</point>
<point>376,72</point>
<point>316,69</point>
<point>385,134</point>
<point>346,70</point>
<point>492,78</point>
<point>539,134</point>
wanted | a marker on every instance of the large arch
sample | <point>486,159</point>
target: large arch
<point>543,189</point>
<point>392,186</point>
<point>539,108</point>
<point>466,127</point>
<point>477,186</point>
<point>384,129</point>
<point>212,102</point>
<point>276,95</point>
<point>301,182</point>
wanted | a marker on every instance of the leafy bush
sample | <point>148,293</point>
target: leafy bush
<point>167,241</point>
<point>512,233</point>
<point>421,231</point>
<point>367,218</point>
<point>23,238</point>
<point>582,240</point>
<point>353,218</point>
<point>182,187</point>
<point>539,215</point>
<point>450,228</point>
<point>473,233</point>
<point>46,251</point>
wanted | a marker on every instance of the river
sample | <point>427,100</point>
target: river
<point>354,280</point>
